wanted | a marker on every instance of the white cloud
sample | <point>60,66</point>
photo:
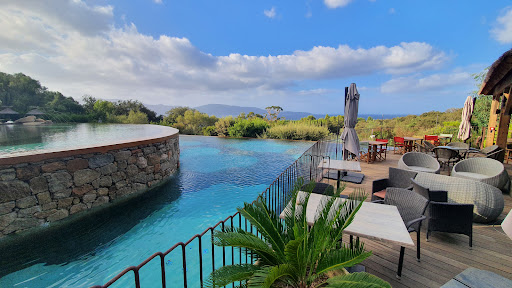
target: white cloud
<point>502,30</point>
<point>68,55</point>
<point>270,13</point>
<point>158,1</point>
<point>333,4</point>
<point>415,84</point>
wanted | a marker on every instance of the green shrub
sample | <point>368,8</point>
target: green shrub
<point>298,131</point>
<point>222,126</point>
<point>248,127</point>
<point>209,131</point>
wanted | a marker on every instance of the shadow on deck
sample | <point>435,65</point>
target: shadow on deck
<point>446,254</point>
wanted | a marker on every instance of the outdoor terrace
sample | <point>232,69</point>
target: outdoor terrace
<point>446,254</point>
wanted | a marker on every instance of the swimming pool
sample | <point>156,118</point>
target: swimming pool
<point>23,139</point>
<point>216,175</point>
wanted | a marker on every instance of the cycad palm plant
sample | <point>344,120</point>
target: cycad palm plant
<point>292,254</point>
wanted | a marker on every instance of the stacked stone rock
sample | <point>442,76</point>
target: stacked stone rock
<point>37,194</point>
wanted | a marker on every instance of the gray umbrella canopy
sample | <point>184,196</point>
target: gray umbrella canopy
<point>465,123</point>
<point>349,135</point>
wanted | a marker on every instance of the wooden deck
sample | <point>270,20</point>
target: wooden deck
<point>445,255</point>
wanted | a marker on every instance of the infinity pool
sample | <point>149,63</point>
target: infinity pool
<point>216,176</point>
<point>18,139</point>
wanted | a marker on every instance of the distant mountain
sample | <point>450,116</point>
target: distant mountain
<point>221,110</point>
<point>160,109</point>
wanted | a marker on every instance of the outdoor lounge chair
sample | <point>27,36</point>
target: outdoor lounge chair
<point>399,145</point>
<point>488,200</point>
<point>382,149</point>
<point>397,178</point>
<point>492,152</point>
<point>461,145</point>
<point>434,139</point>
<point>485,170</point>
<point>411,207</point>
<point>445,156</point>
<point>451,218</point>
<point>419,162</point>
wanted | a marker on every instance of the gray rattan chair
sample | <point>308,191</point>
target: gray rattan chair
<point>451,218</point>
<point>445,156</point>
<point>423,149</point>
<point>397,178</point>
<point>492,152</point>
<point>461,145</point>
<point>485,170</point>
<point>419,162</point>
<point>488,200</point>
<point>411,207</point>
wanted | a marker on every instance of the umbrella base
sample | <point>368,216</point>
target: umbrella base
<point>352,177</point>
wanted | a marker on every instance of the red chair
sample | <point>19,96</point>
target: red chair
<point>434,139</point>
<point>382,149</point>
<point>400,144</point>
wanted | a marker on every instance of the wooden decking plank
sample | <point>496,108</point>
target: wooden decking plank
<point>446,254</point>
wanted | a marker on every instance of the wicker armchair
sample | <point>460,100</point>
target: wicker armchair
<point>445,156</point>
<point>485,170</point>
<point>464,146</point>
<point>397,178</point>
<point>451,218</point>
<point>419,162</point>
<point>488,200</point>
<point>492,152</point>
<point>411,207</point>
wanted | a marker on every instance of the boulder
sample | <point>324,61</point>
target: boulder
<point>26,119</point>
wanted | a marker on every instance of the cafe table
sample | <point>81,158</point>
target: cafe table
<point>373,221</point>
<point>373,148</point>
<point>342,166</point>
<point>409,143</point>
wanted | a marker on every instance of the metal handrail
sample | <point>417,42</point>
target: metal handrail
<point>306,167</point>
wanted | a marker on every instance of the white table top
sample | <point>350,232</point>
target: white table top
<point>411,138</point>
<point>341,165</point>
<point>373,221</point>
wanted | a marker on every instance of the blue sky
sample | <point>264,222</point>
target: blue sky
<point>405,56</point>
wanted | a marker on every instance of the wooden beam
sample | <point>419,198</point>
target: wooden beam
<point>493,117</point>
<point>501,87</point>
<point>503,124</point>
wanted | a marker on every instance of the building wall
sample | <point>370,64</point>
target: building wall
<point>34,194</point>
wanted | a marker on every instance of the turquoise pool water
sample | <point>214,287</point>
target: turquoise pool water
<point>21,138</point>
<point>216,176</point>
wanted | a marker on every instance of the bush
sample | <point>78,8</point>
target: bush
<point>298,131</point>
<point>222,126</point>
<point>248,127</point>
<point>209,131</point>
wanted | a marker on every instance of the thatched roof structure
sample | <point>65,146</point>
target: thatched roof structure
<point>35,111</point>
<point>499,75</point>
<point>8,111</point>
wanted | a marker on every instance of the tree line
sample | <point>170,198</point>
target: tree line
<point>23,93</point>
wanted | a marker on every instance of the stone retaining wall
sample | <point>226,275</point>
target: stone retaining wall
<point>40,193</point>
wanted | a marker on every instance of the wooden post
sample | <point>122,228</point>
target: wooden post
<point>492,120</point>
<point>503,124</point>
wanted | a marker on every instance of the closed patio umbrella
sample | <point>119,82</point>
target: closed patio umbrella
<point>349,135</point>
<point>465,123</point>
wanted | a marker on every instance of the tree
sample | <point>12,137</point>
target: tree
<point>174,113</point>
<point>291,254</point>
<point>273,112</point>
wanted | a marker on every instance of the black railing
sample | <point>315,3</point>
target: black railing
<point>196,265</point>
